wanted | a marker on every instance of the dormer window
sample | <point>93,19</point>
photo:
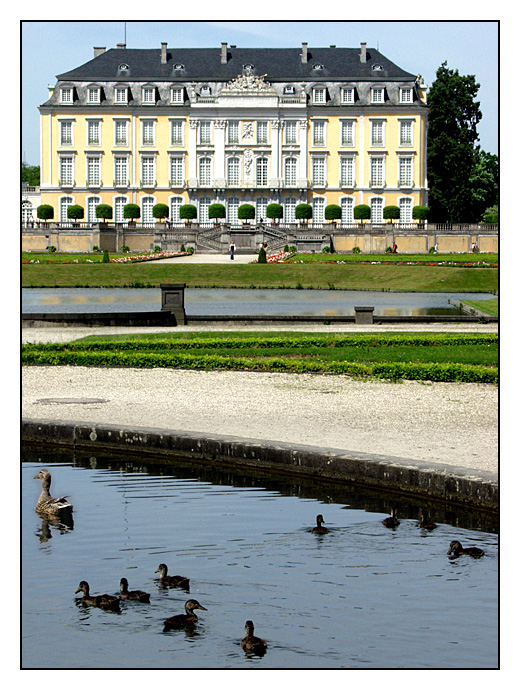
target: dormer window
<point>67,95</point>
<point>377,68</point>
<point>177,95</point>
<point>317,66</point>
<point>319,94</point>
<point>205,90</point>
<point>378,94</point>
<point>149,95</point>
<point>94,95</point>
<point>123,67</point>
<point>178,66</point>
<point>406,95</point>
<point>288,90</point>
<point>347,94</point>
<point>121,94</point>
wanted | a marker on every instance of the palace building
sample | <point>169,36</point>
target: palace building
<point>232,125</point>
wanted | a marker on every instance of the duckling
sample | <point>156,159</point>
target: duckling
<point>171,580</point>
<point>456,549</point>
<point>57,507</point>
<point>102,601</point>
<point>136,595</point>
<point>252,644</point>
<point>184,619</point>
<point>319,529</point>
<point>424,523</point>
<point>391,521</point>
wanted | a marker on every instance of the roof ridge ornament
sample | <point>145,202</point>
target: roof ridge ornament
<point>248,82</point>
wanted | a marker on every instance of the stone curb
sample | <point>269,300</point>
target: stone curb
<point>445,482</point>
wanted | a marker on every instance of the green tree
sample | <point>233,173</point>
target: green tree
<point>332,212</point>
<point>45,212</point>
<point>76,212</point>
<point>188,212</point>
<point>160,211</point>
<point>484,184</point>
<point>274,211</point>
<point>246,212</point>
<point>303,212</point>
<point>104,211</point>
<point>452,144</point>
<point>216,211</point>
<point>362,212</point>
<point>131,211</point>
<point>31,174</point>
<point>391,213</point>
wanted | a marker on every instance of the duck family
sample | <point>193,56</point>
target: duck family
<point>457,550</point>
<point>171,580</point>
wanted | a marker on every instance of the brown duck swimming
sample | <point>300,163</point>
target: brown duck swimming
<point>457,550</point>
<point>425,523</point>
<point>391,521</point>
<point>102,601</point>
<point>57,507</point>
<point>184,619</point>
<point>319,529</point>
<point>252,644</point>
<point>171,580</point>
<point>135,595</point>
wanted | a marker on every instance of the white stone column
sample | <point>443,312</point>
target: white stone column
<point>276,149</point>
<point>192,153</point>
<point>304,154</point>
<point>219,169</point>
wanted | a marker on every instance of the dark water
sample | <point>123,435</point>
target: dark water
<point>362,596</point>
<point>218,302</point>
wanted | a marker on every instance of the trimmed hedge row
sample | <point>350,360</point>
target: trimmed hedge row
<point>392,370</point>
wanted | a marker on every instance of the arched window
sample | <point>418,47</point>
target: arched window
<point>204,203</point>
<point>205,170</point>
<point>27,211</point>
<point>376,209</point>
<point>233,171</point>
<point>290,171</point>
<point>119,204</point>
<point>261,206</point>
<point>289,205</point>
<point>347,209</point>
<point>405,206</point>
<point>147,204</point>
<point>65,202</point>
<point>175,203</point>
<point>232,210</point>
<point>261,171</point>
<point>318,209</point>
<point>92,202</point>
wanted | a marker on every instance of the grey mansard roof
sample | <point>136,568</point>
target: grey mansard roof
<point>278,64</point>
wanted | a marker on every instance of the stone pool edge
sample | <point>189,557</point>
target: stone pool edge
<point>444,482</point>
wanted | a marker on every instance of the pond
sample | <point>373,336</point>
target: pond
<point>362,596</point>
<point>238,302</point>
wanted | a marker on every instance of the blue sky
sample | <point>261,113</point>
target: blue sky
<point>50,48</point>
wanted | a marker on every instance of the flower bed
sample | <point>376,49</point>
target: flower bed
<point>135,258</point>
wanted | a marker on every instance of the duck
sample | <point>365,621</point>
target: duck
<point>319,529</point>
<point>57,507</point>
<point>424,523</point>
<point>102,601</point>
<point>391,521</point>
<point>456,549</point>
<point>184,619</point>
<point>135,595</point>
<point>171,580</point>
<point>252,644</point>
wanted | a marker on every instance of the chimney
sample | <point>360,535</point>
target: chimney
<point>121,46</point>
<point>304,52</point>
<point>363,55</point>
<point>223,54</point>
<point>98,51</point>
<point>164,56</point>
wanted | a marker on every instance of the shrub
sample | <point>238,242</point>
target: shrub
<point>191,250</point>
<point>160,211</point>
<point>262,256</point>
<point>45,212</point>
<point>125,249</point>
<point>131,211</point>
<point>389,250</point>
<point>303,212</point>
<point>332,212</point>
<point>391,212</point>
<point>420,212</point>
<point>96,249</point>
<point>325,250</point>
<point>157,248</point>
<point>183,248</point>
<point>362,212</point>
<point>105,259</point>
<point>188,211</point>
<point>76,212</point>
<point>356,250</point>
<point>246,212</point>
<point>51,248</point>
<point>104,211</point>
<point>216,211</point>
<point>274,211</point>
<point>286,248</point>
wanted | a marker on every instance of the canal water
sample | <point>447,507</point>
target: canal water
<point>239,302</point>
<point>362,596</point>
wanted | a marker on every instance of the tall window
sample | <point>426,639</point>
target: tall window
<point>66,95</point>
<point>318,171</point>
<point>121,94</point>
<point>176,171</point>
<point>346,171</point>
<point>405,133</point>
<point>93,133</point>
<point>377,133</point>
<point>233,171</point>
<point>66,170</point>
<point>205,171</point>
<point>148,131</point>
<point>347,209</point>
<point>121,133</point>
<point>376,210</point>
<point>232,210</point>
<point>261,171</point>
<point>318,133</point>
<point>291,132</point>
<point>149,95</point>
<point>319,94</point>
<point>92,202</point>
<point>175,203</point>
<point>93,170</point>
<point>147,204</point>
<point>94,94</point>
<point>262,132</point>
<point>120,170</point>
<point>233,132</point>
<point>65,202</point>
<point>347,94</point>
<point>376,171</point>
<point>378,94</point>
<point>148,170</point>
<point>203,213</point>
<point>347,133</point>
<point>66,133</point>
<point>204,132</point>
<point>177,95</point>
<point>405,206</point>
<point>406,95</point>
<point>289,170</point>
<point>177,131</point>
<point>318,209</point>
<point>119,204</point>
<point>405,171</point>
<point>289,205</point>
<point>261,206</point>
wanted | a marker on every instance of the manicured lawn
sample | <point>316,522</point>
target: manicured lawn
<point>488,306</point>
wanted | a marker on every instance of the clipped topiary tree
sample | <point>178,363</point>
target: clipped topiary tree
<point>104,211</point>
<point>362,212</point>
<point>303,212</point>
<point>188,212</point>
<point>75,212</point>
<point>262,256</point>
<point>391,213</point>
<point>274,211</point>
<point>131,212</point>
<point>160,211</point>
<point>332,212</point>
<point>246,212</point>
<point>420,213</point>
<point>216,211</point>
<point>105,259</point>
<point>45,212</point>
